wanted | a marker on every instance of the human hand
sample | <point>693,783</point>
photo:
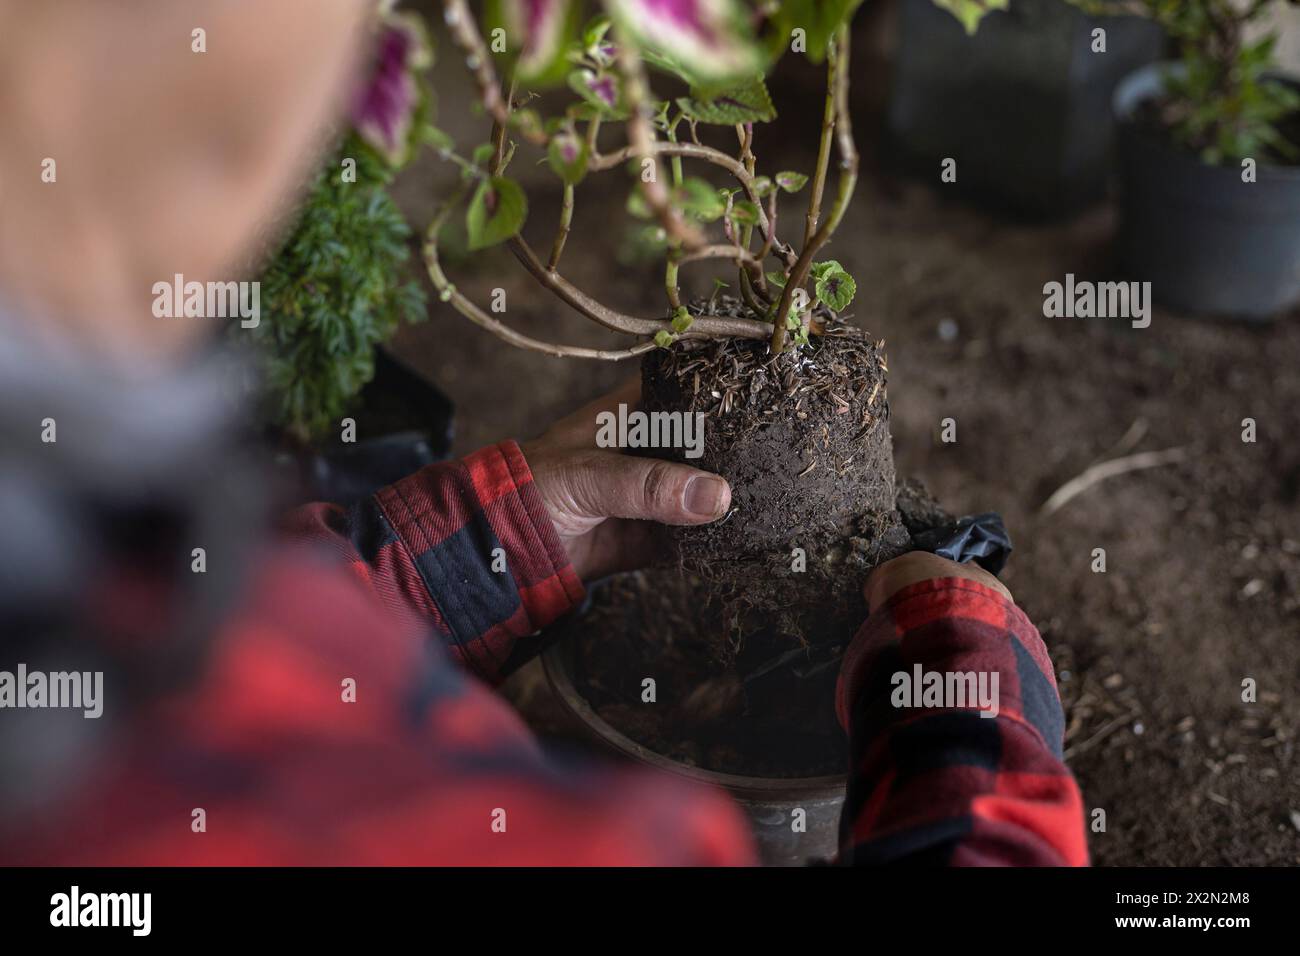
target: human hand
<point>608,506</point>
<point>892,576</point>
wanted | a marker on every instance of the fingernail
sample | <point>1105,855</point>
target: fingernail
<point>705,496</point>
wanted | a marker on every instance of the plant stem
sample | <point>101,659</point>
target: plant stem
<point>745,131</point>
<point>674,248</point>
<point>449,293</point>
<point>465,35</point>
<point>566,208</point>
<point>562,232</point>
<point>823,149</point>
<point>847,183</point>
<point>642,143</point>
<point>670,279</point>
<point>499,132</point>
<point>708,154</point>
<point>571,295</point>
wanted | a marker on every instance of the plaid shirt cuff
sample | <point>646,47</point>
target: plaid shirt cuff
<point>922,603</point>
<point>487,552</point>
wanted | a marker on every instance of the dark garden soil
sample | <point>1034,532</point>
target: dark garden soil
<point>1202,582</point>
<point>748,693</point>
<point>768,711</point>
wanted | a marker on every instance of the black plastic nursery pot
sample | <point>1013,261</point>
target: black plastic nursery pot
<point>404,422</point>
<point>769,802</point>
<point>1023,106</point>
<point>1207,241</point>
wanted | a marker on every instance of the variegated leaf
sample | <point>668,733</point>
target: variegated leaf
<point>709,41</point>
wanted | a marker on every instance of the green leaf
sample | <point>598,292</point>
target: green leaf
<point>762,186</point>
<point>700,199</point>
<point>777,279</point>
<point>435,137</point>
<point>970,12</point>
<point>747,102</point>
<point>820,269</point>
<point>834,286</point>
<point>637,206</point>
<point>667,64</point>
<point>482,153</point>
<point>595,30</point>
<point>567,155</point>
<point>664,338</point>
<point>818,19</point>
<point>538,33</point>
<point>791,182</point>
<point>682,319</point>
<point>744,213</point>
<point>496,212</point>
<point>528,122</point>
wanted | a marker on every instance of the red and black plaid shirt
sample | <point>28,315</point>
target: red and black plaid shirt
<point>428,766</point>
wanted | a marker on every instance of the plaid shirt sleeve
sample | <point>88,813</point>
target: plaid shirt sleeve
<point>466,546</point>
<point>943,784</point>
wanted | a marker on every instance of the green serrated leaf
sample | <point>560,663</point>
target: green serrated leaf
<point>836,288</point>
<point>747,102</point>
<point>820,269</point>
<point>816,19</point>
<point>777,279</point>
<point>496,212</point>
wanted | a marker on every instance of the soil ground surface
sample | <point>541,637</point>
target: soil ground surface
<point>1201,588</point>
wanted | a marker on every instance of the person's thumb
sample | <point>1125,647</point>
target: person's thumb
<point>622,486</point>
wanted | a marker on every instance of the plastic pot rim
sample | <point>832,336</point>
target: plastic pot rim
<point>556,662</point>
<point>1143,83</point>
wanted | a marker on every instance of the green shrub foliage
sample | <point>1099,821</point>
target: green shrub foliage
<point>340,286</point>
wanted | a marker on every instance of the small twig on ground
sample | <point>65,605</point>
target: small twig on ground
<point>1101,734</point>
<point>1109,469</point>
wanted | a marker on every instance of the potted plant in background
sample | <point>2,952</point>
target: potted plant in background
<point>348,416</point>
<point>1024,106</point>
<point>744,643</point>
<point>1210,162</point>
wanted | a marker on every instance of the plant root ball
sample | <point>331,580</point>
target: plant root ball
<point>803,438</point>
